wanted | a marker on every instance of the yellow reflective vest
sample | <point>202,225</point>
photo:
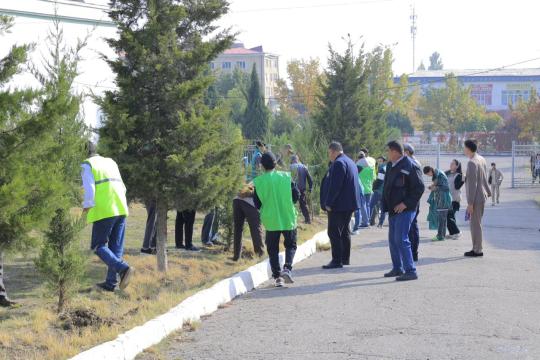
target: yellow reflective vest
<point>110,195</point>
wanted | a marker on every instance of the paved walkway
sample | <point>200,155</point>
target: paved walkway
<point>460,308</point>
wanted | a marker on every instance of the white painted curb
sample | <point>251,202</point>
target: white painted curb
<point>129,344</point>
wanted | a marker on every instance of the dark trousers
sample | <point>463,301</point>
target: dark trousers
<point>150,233</point>
<point>272,246</point>
<point>304,206</point>
<point>414,233</point>
<point>340,236</point>
<point>451,222</point>
<point>210,227</point>
<point>243,211</point>
<point>184,222</point>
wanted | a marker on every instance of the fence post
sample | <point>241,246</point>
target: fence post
<point>513,164</point>
<point>438,155</point>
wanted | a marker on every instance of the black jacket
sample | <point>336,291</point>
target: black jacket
<point>402,184</point>
<point>458,180</point>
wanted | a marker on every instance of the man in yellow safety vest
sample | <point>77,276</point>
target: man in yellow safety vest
<point>106,208</point>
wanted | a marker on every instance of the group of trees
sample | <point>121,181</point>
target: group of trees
<point>525,119</point>
<point>41,146</point>
<point>451,110</point>
<point>435,63</point>
<point>177,130</point>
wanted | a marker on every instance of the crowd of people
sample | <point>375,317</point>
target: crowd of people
<point>370,189</point>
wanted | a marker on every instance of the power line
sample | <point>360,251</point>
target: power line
<point>315,6</point>
<point>416,84</point>
<point>85,5</point>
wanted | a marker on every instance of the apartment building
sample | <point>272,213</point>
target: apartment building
<point>267,65</point>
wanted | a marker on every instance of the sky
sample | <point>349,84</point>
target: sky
<point>469,34</point>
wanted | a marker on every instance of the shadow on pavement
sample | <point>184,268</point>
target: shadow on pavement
<point>370,268</point>
<point>271,292</point>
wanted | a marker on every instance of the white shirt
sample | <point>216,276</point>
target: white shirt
<point>89,186</point>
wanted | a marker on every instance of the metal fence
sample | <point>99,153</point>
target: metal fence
<point>523,165</point>
<point>428,155</point>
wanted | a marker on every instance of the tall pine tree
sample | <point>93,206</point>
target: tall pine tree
<point>61,261</point>
<point>171,147</point>
<point>352,105</point>
<point>257,115</point>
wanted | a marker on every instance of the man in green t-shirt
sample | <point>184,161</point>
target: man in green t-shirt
<point>367,172</point>
<point>275,195</point>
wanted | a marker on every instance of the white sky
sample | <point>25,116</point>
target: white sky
<point>469,34</point>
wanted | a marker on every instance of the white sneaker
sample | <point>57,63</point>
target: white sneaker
<point>455,236</point>
<point>356,232</point>
<point>287,276</point>
<point>278,282</point>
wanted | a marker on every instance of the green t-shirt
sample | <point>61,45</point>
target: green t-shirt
<point>368,175</point>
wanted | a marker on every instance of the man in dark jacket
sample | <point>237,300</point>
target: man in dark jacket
<point>403,188</point>
<point>304,181</point>
<point>340,199</point>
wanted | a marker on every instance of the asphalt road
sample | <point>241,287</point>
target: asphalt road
<point>460,308</point>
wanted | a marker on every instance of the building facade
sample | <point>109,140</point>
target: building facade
<point>33,20</point>
<point>496,90</point>
<point>239,57</point>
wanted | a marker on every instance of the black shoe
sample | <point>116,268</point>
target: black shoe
<point>346,262</point>
<point>393,273</point>
<point>148,251</point>
<point>180,246</point>
<point>105,287</point>
<point>407,277</point>
<point>125,277</point>
<point>472,253</point>
<point>209,244</point>
<point>415,257</point>
<point>6,302</point>
<point>332,265</point>
<point>193,248</point>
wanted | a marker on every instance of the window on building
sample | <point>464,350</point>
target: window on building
<point>514,96</point>
<point>226,65</point>
<point>241,64</point>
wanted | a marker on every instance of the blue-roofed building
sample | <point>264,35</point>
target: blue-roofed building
<point>494,89</point>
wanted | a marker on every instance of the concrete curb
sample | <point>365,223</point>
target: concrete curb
<point>129,344</point>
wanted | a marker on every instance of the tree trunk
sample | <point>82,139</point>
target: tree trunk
<point>61,296</point>
<point>161,233</point>
<point>3,292</point>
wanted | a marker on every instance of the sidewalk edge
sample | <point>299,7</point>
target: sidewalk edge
<point>131,343</point>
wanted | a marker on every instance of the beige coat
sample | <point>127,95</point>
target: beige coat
<point>476,182</point>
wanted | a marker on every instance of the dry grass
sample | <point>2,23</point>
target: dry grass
<point>34,331</point>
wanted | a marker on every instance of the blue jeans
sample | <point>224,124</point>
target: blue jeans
<point>108,244</point>
<point>361,216</point>
<point>400,246</point>
<point>376,198</point>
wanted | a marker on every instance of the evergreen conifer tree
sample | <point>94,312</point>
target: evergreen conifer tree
<point>257,115</point>
<point>171,147</point>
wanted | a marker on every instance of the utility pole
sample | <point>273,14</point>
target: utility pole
<point>413,18</point>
